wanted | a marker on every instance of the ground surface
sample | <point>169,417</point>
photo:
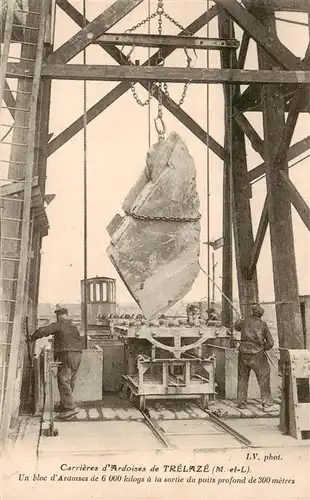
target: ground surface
<point>112,435</point>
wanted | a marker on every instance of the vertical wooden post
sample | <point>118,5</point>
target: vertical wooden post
<point>289,323</point>
<point>241,210</point>
<point>279,209</point>
<point>227,268</point>
<point>43,122</point>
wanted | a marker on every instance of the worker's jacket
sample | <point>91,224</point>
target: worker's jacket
<point>66,336</point>
<point>255,335</point>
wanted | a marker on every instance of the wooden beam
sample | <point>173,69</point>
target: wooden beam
<point>279,209</point>
<point>250,99</point>
<point>116,54</point>
<point>97,27</point>
<point>243,50</point>
<point>268,41</point>
<point>96,72</point>
<point>111,97</point>
<point>192,125</point>
<point>299,203</point>
<point>75,127</point>
<point>260,235</point>
<point>282,5</point>
<point>255,140</point>
<point>107,100</point>
<point>178,42</point>
<point>297,149</point>
<point>289,125</point>
<point>225,30</point>
<point>15,187</point>
<point>9,99</point>
<point>241,209</point>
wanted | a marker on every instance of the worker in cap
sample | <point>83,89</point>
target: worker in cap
<point>255,340</point>
<point>67,350</point>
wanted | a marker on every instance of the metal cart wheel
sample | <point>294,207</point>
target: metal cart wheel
<point>142,403</point>
<point>204,401</point>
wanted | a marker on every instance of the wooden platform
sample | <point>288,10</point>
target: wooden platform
<point>115,407</point>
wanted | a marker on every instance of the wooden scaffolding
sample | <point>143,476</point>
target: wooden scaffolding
<point>278,89</point>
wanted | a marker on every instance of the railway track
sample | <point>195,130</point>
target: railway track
<point>172,426</point>
<point>154,426</point>
<point>227,428</point>
<point>156,430</point>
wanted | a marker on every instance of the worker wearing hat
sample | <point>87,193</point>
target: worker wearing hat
<point>255,340</point>
<point>67,349</point>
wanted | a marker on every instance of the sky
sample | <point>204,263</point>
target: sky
<point>116,151</point>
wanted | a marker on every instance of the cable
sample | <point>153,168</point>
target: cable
<point>230,173</point>
<point>85,186</point>
<point>290,166</point>
<point>208,167</point>
<point>149,86</point>
<point>222,293</point>
<point>290,21</point>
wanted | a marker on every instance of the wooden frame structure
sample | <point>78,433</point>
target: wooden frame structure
<point>280,85</point>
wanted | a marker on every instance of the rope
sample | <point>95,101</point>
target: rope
<point>85,185</point>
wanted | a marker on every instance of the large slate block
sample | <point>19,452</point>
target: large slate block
<point>155,246</point>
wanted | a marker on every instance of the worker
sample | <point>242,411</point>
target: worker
<point>212,315</point>
<point>67,349</point>
<point>255,340</point>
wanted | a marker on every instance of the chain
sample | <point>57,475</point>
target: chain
<point>162,88</point>
<point>163,218</point>
<point>159,122</point>
<point>141,23</point>
<point>173,21</point>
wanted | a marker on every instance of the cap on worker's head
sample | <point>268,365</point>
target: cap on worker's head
<point>60,310</point>
<point>257,310</point>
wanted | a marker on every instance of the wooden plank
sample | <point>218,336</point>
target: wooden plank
<point>96,72</point>
<point>178,42</point>
<point>260,235</point>
<point>97,27</point>
<point>250,132</point>
<point>297,200</point>
<point>267,40</point>
<point>297,149</point>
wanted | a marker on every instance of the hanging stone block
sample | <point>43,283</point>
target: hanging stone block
<point>155,246</point>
